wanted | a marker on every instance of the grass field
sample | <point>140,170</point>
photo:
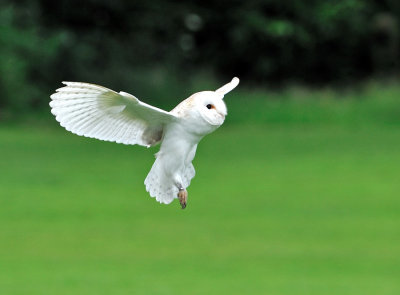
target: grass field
<point>275,208</point>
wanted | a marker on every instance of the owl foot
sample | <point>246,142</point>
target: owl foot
<point>182,196</point>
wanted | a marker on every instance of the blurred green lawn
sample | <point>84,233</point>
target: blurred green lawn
<point>275,208</point>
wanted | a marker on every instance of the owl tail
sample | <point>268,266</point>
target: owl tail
<point>159,185</point>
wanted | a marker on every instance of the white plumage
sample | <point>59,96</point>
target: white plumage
<point>95,111</point>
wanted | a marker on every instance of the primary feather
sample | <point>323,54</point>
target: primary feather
<point>95,111</point>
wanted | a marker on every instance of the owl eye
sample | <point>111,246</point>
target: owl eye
<point>209,106</point>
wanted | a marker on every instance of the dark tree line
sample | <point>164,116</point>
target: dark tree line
<point>265,42</point>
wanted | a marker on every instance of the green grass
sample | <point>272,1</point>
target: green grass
<point>277,207</point>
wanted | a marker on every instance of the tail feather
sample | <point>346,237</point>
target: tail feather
<point>188,174</point>
<point>161,187</point>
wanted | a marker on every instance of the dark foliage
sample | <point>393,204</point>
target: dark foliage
<point>118,43</point>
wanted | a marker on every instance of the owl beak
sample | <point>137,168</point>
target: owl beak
<point>228,87</point>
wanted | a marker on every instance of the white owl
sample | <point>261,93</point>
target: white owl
<point>95,111</point>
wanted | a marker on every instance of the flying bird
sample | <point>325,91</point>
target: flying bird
<point>94,111</point>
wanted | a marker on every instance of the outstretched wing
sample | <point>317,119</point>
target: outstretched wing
<point>95,111</point>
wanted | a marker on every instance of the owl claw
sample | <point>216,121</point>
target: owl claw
<point>182,196</point>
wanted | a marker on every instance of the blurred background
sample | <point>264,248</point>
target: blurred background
<point>297,193</point>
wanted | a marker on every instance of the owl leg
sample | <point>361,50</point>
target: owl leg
<point>182,196</point>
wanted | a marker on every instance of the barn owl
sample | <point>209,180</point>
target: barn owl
<point>95,111</point>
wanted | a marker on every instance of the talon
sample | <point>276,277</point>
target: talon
<point>182,196</point>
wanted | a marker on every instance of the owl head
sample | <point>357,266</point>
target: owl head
<point>205,111</point>
<point>210,104</point>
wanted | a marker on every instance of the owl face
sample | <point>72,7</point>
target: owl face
<point>211,107</point>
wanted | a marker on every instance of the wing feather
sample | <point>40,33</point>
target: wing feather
<point>98,112</point>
